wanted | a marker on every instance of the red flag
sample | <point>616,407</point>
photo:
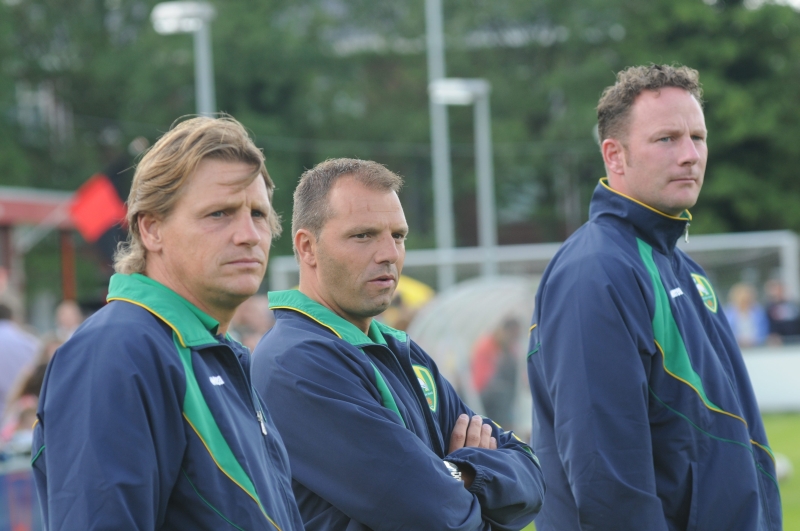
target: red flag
<point>96,207</point>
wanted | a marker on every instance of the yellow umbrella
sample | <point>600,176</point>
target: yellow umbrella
<point>414,293</point>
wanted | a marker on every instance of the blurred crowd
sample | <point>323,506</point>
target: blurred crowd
<point>23,361</point>
<point>776,322</point>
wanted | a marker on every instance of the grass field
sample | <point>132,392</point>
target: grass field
<point>783,432</point>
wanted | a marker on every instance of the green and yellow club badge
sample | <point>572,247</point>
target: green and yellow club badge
<point>706,291</point>
<point>428,386</point>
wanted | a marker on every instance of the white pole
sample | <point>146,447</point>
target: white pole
<point>487,220</point>
<point>440,149</point>
<point>204,71</point>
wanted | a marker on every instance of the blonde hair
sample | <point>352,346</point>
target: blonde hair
<point>163,170</point>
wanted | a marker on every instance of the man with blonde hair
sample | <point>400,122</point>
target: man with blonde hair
<point>643,413</point>
<point>147,418</point>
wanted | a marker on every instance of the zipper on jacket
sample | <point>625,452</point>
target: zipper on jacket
<point>256,405</point>
<point>253,398</point>
<point>261,421</point>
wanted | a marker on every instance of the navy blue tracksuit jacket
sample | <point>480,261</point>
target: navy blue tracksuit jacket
<point>367,422</point>
<point>644,416</point>
<point>148,421</point>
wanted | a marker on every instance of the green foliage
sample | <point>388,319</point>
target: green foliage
<point>315,79</point>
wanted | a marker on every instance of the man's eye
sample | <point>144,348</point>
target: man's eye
<point>258,214</point>
<point>665,139</point>
<point>217,214</point>
<point>361,236</point>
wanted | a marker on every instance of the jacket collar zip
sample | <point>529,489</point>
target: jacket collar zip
<point>193,327</point>
<point>301,303</point>
<point>658,229</point>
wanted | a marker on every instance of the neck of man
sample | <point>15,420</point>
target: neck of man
<point>222,315</point>
<point>311,291</point>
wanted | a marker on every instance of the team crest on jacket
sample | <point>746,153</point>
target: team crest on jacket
<point>706,291</point>
<point>428,386</point>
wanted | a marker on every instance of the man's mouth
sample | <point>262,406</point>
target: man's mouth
<point>383,280</point>
<point>245,262</point>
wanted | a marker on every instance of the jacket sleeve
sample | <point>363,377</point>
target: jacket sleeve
<point>596,347</point>
<point>109,439</point>
<point>350,450</point>
<point>508,481</point>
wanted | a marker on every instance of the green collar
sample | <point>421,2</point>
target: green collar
<point>192,326</point>
<point>294,300</point>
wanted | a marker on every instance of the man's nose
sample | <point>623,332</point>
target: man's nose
<point>388,250</point>
<point>246,232</point>
<point>689,151</point>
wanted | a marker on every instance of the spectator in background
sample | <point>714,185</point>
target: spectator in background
<point>252,320</point>
<point>494,363</point>
<point>783,315</point>
<point>68,318</point>
<point>17,349</point>
<point>16,431</point>
<point>746,316</point>
<point>398,315</point>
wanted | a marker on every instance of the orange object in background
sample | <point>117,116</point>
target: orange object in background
<point>97,207</point>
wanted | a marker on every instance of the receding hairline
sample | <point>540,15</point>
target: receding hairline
<point>622,136</point>
<point>324,176</point>
<point>359,179</point>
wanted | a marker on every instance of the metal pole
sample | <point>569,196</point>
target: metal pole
<point>790,264</point>
<point>6,249</point>
<point>69,285</point>
<point>204,71</point>
<point>440,148</point>
<point>487,220</point>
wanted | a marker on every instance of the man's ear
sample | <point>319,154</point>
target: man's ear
<point>306,246</point>
<point>150,232</point>
<point>613,156</point>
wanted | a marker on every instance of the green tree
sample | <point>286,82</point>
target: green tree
<point>318,78</point>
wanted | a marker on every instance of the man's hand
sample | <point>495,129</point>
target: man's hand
<point>471,433</point>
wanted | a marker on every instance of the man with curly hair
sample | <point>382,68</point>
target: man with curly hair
<point>644,415</point>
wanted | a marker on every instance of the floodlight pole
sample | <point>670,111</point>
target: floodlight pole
<point>440,149</point>
<point>204,71</point>
<point>192,17</point>
<point>484,169</point>
<point>475,92</point>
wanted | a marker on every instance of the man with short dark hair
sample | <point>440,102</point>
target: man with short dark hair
<point>147,418</point>
<point>377,438</point>
<point>644,416</point>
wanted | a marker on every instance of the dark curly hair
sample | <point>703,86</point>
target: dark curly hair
<point>615,104</point>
